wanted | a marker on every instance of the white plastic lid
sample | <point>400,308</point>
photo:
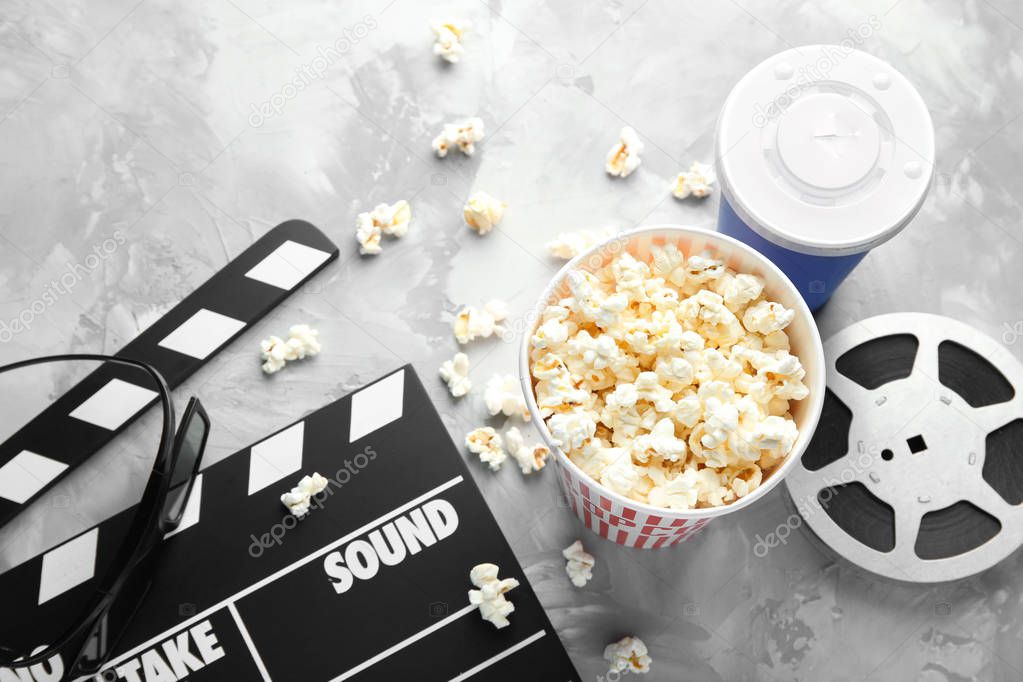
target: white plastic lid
<point>825,150</point>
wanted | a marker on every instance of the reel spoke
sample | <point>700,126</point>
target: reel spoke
<point>930,488</point>
<point>848,391</point>
<point>993,417</point>
<point>926,362</point>
<point>988,499</point>
<point>908,515</point>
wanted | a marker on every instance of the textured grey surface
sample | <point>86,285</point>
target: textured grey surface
<point>138,118</point>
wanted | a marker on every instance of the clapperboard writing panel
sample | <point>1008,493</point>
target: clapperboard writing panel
<point>244,593</point>
<point>103,404</point>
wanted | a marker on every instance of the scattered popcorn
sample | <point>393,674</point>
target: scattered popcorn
<point>483,212</point>
<point>390,219</point>
<point>490,599</point>
<point>668,379</point>
<point>486,442</point>
<point>297,501</point>
<point>302,342</point>
<point>580,563</point>
<point>624,156</point>
<point>697,182</point>
<point>568,245</point>
<point>275,353</point>
<point>455,373</point>
<point>627,655</point>
<point>529,457</point>
<point>464,134</point>
<point>472,323</point>
<point>503,395</point>
<point>448,43</point>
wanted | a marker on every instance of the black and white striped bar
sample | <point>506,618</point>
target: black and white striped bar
<point>89,415</point>
<point>245,592</point>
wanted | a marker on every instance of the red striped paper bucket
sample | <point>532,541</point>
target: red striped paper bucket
<point>634,524</point>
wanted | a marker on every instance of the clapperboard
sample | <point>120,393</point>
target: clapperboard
<point>371,585</point>
<point>103,404</point>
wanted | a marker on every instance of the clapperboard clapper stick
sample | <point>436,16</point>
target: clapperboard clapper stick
<point>371,585</point>
<point>103,404</point>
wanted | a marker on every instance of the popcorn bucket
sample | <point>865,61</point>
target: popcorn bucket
<point>823,152</point>
<point>643,526</point>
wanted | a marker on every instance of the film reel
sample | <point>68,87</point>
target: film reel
<point>916,469</point>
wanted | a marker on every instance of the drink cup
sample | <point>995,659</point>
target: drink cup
<point>823,153</point>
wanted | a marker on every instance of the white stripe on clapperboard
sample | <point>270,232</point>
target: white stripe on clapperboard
<point>279,574</point>
<point>404,643</point>
<point>248,640</point>
<point>117,401</point>
<point>504,654</point>
<point>429,631</point>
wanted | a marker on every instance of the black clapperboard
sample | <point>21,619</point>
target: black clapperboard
<point>107,401</point>
<point>371,585</point>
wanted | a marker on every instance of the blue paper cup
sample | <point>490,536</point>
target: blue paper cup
<point>822,152</point>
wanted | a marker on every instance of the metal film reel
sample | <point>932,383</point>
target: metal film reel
<point>916,469</point>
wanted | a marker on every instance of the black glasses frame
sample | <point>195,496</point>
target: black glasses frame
<point>91,639</point>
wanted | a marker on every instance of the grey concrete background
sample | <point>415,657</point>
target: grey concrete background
<point>138,117</point>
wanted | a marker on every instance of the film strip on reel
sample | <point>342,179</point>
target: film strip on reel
<point>915,471</point>
<point>106,402</point>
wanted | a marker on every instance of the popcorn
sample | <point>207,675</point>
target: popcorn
<point>486,443</point>
<point>552,331</point>
<point>463,134</point>
<point>503,395</point>
<point>738,290</point>
<point>568,245</point>
<point>627,655</point>
<point>390,219</point>
<point>580,564</point>
<point>559,393</point>
<point>681,492</point>
<point>275,353</point>
<point>669,263</point>
<point>747,480</point>
<point>529,457</point>
<point>455,373</point>
<point>765,317</point>
<point>299,498</point>
<point>660,442</point>
<point>472,323</point>
<point>571,429</point>
<point>701,270</point>
<point>483,212</point>
<point>448,43</point>
<point>621,476</point>
<point>624,156</point>
<point>302,342</point>
<point>697,182</point>
<point>776,433</point>
<point>668,378</point>
<point>490,599</point>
